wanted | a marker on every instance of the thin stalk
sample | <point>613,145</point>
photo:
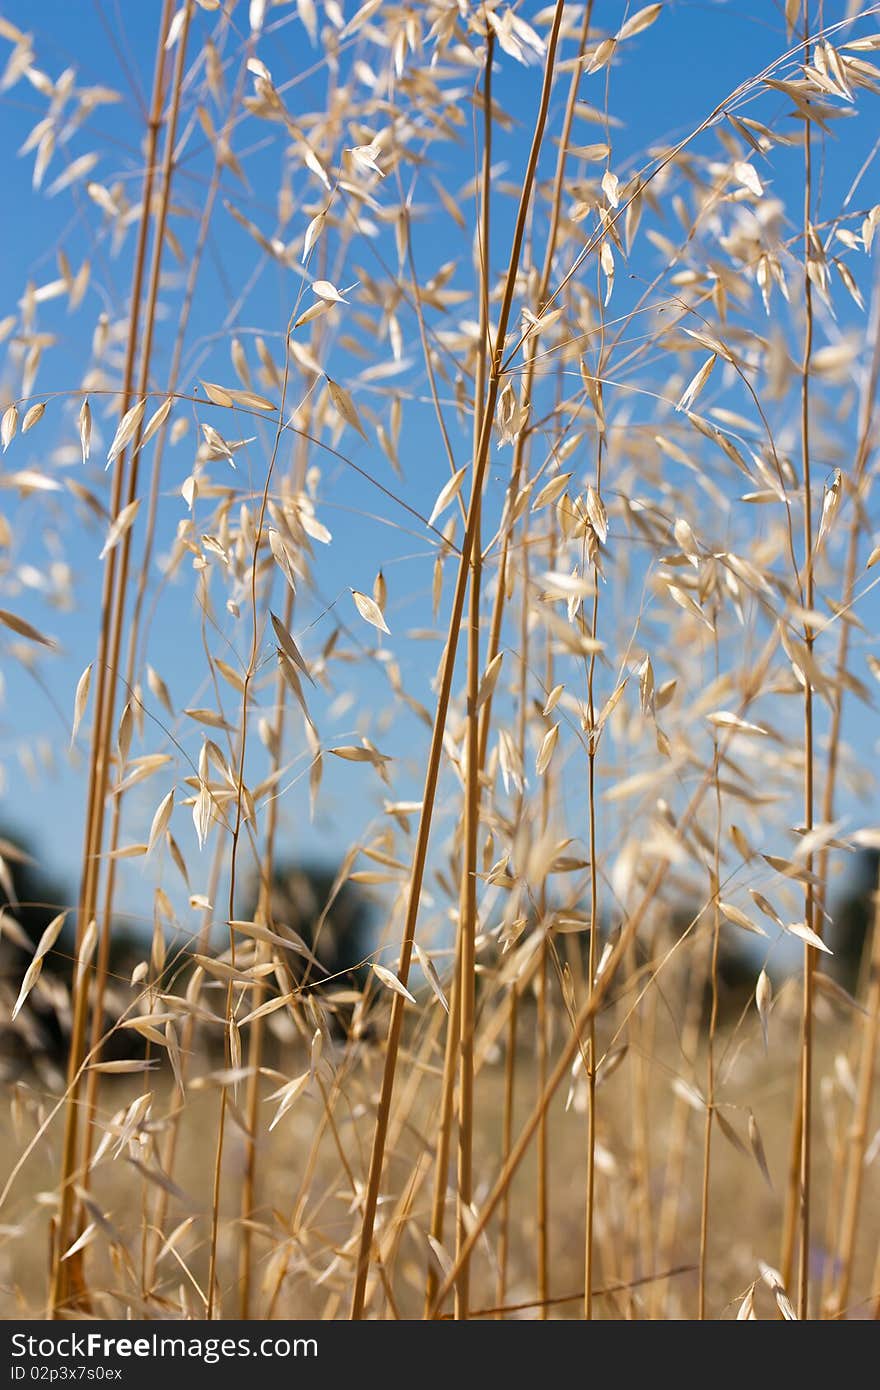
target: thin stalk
<point>510,1059</point>
<point>267,869</point>
<point>444,1134</point>
<point>497,1022</point>
<point>62,1271</point>
<point>638,1243</point>
<point>236,831</point>
<point>134,637</point>
<point>174,372</point>
<point>673,1180</point>
<point>454,1021</point>
<point>592,962</point>
<point>713,1029</point>
<point>92,1081</point>
<point>494,644</point>
<point>866,419</point>
<point>389,1242</point>
<point>645,1020</point>
<point>592,1005</point>
<point>426,814</point>
<point>295,1224</point>
<point>468,892</point>
<point>409,1096</point>
<point>858,1132</point>
<point>542,1013</point>
<point>809,951</point>
<point>542,1025</point>
<point>593,954</point>
<point>169,1149</point>
<point>830,785</point>
<point>256,1030</point>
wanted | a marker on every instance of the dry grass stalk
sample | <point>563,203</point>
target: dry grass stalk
<point>467,550</point>
<point>592,827</point>
<point>62,1273</point>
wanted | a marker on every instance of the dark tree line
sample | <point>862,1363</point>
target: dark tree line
<point>336,923</point>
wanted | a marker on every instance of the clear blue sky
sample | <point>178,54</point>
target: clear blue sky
<point>671,79</point>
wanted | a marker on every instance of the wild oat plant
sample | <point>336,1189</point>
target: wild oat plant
<point>397,458</point>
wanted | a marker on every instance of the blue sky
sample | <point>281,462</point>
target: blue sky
<point>669,81</point>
